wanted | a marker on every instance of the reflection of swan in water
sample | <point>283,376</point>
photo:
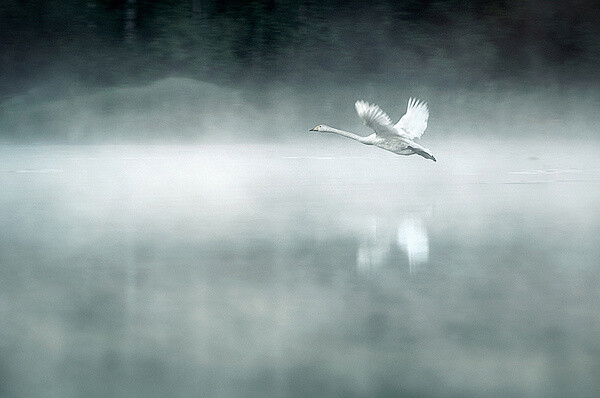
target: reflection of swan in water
<point>410,236</point>
<point>371,251</point>
<point>413,240</point>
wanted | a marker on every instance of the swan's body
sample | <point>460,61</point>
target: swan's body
<point>397,138</point>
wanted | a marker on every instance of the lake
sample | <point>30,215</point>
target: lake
<point>303,269</point>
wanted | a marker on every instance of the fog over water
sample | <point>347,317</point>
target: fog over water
<point>313,268</point>
<point>177,110</point>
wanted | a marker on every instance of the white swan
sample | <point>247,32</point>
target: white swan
<point>398,138</point>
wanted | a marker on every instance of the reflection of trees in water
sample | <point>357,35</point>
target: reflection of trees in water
<point>379,245</point>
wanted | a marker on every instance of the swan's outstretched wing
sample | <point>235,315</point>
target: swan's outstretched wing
<point>414,122</point>
<point>374,117</point>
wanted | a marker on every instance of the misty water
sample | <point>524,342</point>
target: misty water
<point>320,268</point>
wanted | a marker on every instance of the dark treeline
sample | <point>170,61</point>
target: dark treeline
<point>444,43</point>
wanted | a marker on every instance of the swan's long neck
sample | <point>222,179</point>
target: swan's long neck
<point>348,134</point>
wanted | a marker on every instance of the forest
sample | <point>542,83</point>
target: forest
<point>443,43</point>
<point>174,70</point>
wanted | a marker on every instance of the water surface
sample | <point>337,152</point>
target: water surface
<point>328,269</point>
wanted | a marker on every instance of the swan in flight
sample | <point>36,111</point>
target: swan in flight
<point>397,138</point>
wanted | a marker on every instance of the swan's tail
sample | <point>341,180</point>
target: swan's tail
<point>426,155</point>
<point>421,151</point>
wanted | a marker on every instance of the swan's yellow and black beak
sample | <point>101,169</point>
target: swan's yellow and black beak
<point>316,128</point>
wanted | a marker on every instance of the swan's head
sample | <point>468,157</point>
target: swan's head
<point>321,127</point>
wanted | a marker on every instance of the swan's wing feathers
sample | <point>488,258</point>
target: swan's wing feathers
<point>373,116</point>
<point>414,122</point>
